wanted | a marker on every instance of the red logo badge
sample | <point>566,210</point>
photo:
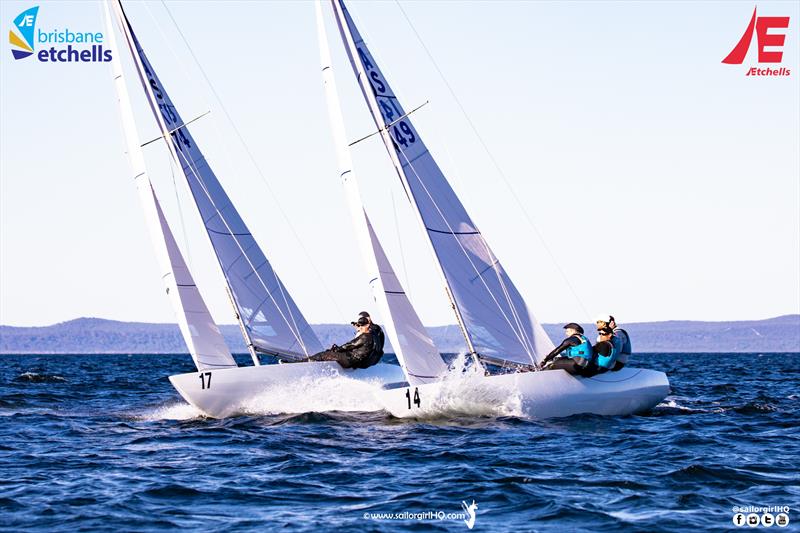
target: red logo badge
<point>761,27</point>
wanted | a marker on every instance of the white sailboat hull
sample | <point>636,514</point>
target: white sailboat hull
<point>225,392</point>
<point>548,394</point>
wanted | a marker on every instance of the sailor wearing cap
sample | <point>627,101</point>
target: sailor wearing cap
<point>378,338</point>
<point>361,352</point>
<point>620,339</point>
<point>577,352</point>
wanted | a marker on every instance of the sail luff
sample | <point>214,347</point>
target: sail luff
<point>202,336</point>
<point>269,325</point>
<point>415,350</point>
<point>380,124</point>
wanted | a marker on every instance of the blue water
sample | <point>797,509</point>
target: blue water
<point>100,442</point>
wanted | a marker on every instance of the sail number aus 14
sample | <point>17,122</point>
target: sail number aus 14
<point>205,380</point>
<point>415,398</point>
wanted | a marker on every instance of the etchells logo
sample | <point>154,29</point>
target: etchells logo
<point>22,40</point>
<point>59,46</point>
<point>761,26</point>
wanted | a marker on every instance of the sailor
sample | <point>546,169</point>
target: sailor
<point>605,352</point>
<point>621,339</point>
<point>577,353</point>
<point>360,352</point>
<point>378,338</point>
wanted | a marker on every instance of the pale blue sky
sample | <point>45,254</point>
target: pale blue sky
<point>684,172</point>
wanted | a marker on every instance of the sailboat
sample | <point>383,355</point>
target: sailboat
<point>270,321</point>
<point>502,337</point>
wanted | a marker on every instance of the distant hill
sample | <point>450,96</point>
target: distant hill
<point>95,335</point>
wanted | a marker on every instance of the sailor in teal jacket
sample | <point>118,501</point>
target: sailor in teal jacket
<point>621,339</point>
<point>605,351</point>
<point>575,352</point>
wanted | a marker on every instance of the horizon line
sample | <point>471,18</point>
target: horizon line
<point>427,326</point>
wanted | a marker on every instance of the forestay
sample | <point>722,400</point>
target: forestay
<point>270,318</point>
<point>496,320</point>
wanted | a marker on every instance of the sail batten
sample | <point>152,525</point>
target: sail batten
<point>492,313</point>
<point>270,319</point>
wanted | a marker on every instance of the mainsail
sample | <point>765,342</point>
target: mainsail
<point>270,319</point>
<point>493,315</point>
<point>413,345</point>
<point>202,336</point>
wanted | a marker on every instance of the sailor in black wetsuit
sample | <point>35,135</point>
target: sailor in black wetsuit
<point>358,353</point>
<point>577,356</point>
<point>378,337</point>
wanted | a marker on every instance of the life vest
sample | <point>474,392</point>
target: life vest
<point>582,353</point>
<point>622,342</point>
<point>608,361</point>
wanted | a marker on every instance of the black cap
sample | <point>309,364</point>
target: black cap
<point>576,327</point>
<point>364,314</point>
<point>362,321</point>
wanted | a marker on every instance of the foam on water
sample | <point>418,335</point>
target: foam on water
<point>315,395</point>
<point>465,392</point>
<point>171,411</point>
<point>35,377</point>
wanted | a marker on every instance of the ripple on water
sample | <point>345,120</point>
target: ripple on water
<point>104,442</point>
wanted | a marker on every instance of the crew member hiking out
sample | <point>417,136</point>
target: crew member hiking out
<point>360,352</point>
<point>605,352</point>
<point>577,353</point>
<point>621,339</point>
<point>378,335</point>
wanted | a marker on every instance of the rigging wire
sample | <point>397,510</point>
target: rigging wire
<point>254,162</point>
<point>180,212</point>
<point>493,160</point>
<point>400,243</point>
<point>227,154</point>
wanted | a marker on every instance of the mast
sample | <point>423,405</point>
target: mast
<point>414,348</point>
<point>202,336</point>
<point>369,95</point>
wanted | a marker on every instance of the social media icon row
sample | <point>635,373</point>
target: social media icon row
<point>765,520</point>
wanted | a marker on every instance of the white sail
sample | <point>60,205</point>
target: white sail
<point>202,336</point>
<point>421,360</point>
<point>271,321</point>
<point>490,309</point>
<point>413,345</point>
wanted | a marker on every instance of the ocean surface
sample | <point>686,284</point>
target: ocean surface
<point>103,442</point>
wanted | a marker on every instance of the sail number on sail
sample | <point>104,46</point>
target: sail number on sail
<point>416,399</point>
<point>205,380</point>
<point>179,139</point>
<point>401,131</point>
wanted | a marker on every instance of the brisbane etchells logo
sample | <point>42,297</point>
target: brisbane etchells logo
<point>22,40</point>
<point>761,26</point>
<point>58,46</point>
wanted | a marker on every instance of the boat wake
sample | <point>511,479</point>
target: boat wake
<point>171,411</point>
<point>314,395</point>
<point>464,392</point>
